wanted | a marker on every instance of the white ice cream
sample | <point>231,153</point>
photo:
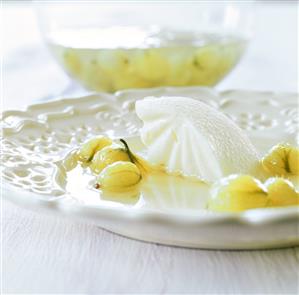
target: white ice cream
<point>190,137</point>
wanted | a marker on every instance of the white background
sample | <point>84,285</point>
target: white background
<point>45,254</point>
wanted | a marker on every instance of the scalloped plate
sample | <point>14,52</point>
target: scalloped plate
<point>36,140</point>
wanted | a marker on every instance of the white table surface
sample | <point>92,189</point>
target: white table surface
<point>46,254</point>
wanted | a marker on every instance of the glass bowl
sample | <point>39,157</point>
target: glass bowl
<point>113,46</point>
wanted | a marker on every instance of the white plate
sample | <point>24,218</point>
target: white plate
<point>35,140</point>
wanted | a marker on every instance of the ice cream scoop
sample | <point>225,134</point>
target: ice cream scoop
<point>188,136</point>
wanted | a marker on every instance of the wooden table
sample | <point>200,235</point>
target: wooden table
<point>46,254</point>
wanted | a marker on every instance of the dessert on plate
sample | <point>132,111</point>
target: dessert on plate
<point>191,148</point>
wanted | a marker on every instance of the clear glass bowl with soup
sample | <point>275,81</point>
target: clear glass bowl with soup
<point>113,46</point>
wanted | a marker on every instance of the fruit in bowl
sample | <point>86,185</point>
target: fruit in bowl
<point>115,58</point>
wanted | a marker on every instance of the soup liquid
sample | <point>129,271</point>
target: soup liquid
<point>130,57</point>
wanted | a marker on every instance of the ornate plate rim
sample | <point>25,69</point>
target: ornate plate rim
<point>254,217</point>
